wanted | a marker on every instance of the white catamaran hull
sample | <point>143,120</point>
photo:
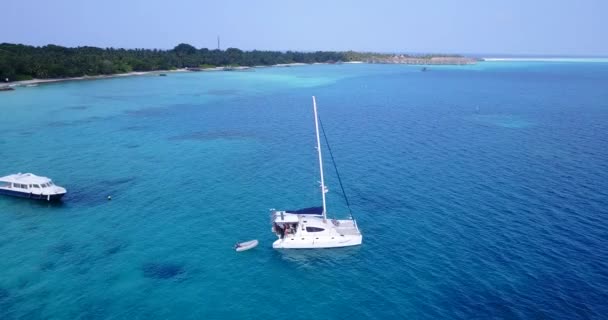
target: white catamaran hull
<point>312,243</point>
<point>310,228</point>
<point>302,231</point>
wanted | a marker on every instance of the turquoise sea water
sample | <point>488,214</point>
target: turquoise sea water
<point>481,192</point>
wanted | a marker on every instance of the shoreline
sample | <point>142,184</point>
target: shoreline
<point>36,82</point>
<point>543,59</point>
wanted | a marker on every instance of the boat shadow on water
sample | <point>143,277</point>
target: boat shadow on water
<point>94,193</point>
<point>15,202</point>
<point>306,258</point>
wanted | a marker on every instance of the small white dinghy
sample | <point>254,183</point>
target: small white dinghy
<point>243,246</point>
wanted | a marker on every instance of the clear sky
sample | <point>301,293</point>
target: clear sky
<point>557,27</point>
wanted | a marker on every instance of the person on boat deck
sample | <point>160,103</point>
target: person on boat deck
<point>286,230</point>
<point>280,230</point>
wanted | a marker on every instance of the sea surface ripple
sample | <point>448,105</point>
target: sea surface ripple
<point>481,192</point>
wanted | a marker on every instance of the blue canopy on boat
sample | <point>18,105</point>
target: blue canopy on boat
<point>311,210</point>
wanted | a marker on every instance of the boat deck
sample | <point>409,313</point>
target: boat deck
<point>347,227</point>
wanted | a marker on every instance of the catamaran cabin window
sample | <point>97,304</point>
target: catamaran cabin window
<point>314,229</point>
<point>36,186</point>
<point>5,184</point>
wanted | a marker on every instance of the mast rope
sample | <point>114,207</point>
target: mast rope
<point>331,154</point>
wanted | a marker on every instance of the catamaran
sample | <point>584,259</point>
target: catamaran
<point>310,228</point>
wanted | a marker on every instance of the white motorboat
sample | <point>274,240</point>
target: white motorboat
<point>28,185</point>
<point>309,228</point>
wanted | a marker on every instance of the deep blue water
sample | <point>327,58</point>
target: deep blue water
<point>481,192</point>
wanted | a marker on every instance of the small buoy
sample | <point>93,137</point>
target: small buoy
<point>109,197</point>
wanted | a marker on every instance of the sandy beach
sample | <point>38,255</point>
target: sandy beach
<point>33,82</point>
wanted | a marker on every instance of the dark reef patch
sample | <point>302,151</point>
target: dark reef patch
<point>83,262</point>
<point>48,266</point>
<point>92,119</point>
<point>114,249</point>
<point>62,248</point>
<point>31,227</point>
<point>116,182</point>
<point>61,123</point>
<point>149,112</point>
<point>224,92</point>
<point>214,135</point>
<point>57,124</point>
<point>77,107</point>
<point>97,308</point>
<point>162,270</point>
<point>4,294</point>
<point>89,194</point>
<point>134,128</point>
<point>114,97</point>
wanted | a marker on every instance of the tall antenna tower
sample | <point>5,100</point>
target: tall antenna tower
<point>218,42</point>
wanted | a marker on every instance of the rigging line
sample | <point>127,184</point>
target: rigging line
<point>331,154</point>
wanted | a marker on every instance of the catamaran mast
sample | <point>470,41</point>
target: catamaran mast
<point>323,190</point>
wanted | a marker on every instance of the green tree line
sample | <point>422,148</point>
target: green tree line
<point>23,62</point>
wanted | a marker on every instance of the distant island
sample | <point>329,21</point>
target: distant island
<point>23,62</point>
<point>424,59</point>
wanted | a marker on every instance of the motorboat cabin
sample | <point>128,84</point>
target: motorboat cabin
<point>307,229</point>
<point>28,185</point>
